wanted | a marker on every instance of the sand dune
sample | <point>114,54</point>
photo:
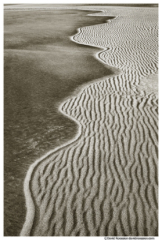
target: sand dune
<point>105,182</point>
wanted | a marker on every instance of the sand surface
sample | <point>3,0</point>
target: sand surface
<point>40,68</point>
<point>104,182</point>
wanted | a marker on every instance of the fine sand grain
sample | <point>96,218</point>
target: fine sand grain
<point>105,181</point>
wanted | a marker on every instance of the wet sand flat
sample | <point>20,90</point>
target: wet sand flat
<point>103,182</point>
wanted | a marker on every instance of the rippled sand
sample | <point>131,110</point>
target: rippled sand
<point>105,181</point>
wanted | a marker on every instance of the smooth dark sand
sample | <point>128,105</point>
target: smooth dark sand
<point>42,67</point>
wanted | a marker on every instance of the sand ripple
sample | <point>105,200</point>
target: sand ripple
<point>105,182</point>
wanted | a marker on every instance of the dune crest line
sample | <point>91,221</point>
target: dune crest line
<point>105,182</point>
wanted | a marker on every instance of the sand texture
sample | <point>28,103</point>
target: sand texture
<point>105,181</point>
<point>39,41</point>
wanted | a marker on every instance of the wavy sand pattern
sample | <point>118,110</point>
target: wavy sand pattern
<point>105,182</point>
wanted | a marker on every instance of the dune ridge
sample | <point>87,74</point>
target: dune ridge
<point>105,181</point>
